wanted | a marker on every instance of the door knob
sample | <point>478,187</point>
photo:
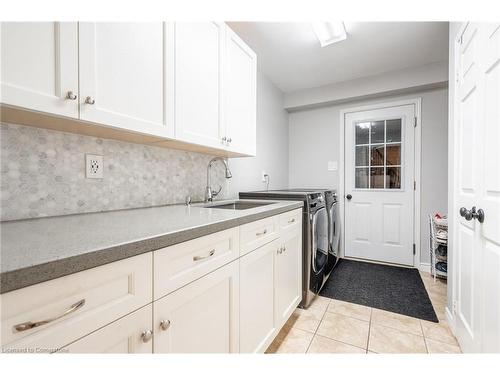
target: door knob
<point>146,335</point>
<point>349,197</point>
<point>71,95</point>
<point>472,214</point>
<point>89,100</point>
<point>165,324</point>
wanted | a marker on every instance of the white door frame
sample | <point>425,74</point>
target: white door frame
<point>417,102</point>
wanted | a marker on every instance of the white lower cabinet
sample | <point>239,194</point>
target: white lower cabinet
<point>201,317</point>
<point>207,299</point>
<point>130,334</point>
<point>288,275</point>
<point>257,277</point>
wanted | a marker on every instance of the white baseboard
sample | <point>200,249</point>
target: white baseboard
<point>425,267</point>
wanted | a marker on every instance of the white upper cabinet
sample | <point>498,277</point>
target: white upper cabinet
<point>39,63</point>
<point>240,95</point>
<point>194,82</point>
<point>122,75</point>
<point>199,54</point>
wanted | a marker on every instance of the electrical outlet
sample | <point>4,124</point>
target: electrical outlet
<point>94,166</point>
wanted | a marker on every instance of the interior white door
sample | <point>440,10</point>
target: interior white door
<point>39,66</point>
<point>240,105</point>
<point>379,175</point>
<point>122,75</point>
<point>477,184</point>
<point>199,52</point>
<point>202,317</point>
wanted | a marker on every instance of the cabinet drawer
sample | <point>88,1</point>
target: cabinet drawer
<point>123,336</point>
<point>258,233</point>
<point>178,265</point>
<point>291,220</point>
<point>72,306</point>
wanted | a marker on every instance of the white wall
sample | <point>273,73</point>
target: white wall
<point>314,140</point>
<point>272,144</point>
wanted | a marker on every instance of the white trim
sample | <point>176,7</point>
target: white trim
<point>450,317</point>
<point>417,102</point>
<point>425,267</point>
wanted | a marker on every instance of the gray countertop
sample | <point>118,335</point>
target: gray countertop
<point>37,250</point>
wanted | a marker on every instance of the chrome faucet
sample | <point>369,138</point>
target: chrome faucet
<point>209,194</point>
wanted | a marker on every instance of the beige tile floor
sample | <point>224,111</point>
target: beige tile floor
<point>332,326</point>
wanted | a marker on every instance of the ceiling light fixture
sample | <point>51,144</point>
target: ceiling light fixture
<point>329,32</point>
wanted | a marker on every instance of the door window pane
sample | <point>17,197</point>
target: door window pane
<point>393,154</point>
<point>393,131</point>
<point>377,155</point>
<point>362,133</point>
<point>377,132</point>
<point>393,178</point>
<point>377,178</point>
<point>361,178</point>
<point>362,156</point>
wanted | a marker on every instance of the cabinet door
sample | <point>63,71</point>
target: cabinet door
<point>39,63</point>
<point>257,326</point>
<point>123,76</point>
<point>288,275</point>
<point>240,95</point>
<point>201,317</point>
<point>198,82</point>
<point>130,334</point>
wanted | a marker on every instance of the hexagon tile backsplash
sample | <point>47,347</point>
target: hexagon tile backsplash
<point>43,174</point>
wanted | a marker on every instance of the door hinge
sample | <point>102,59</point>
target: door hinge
<point>414,249</point>
<point>414,185</point>
<point>414,122</point>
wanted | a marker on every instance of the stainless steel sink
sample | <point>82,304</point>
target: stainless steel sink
<point>237,205</point>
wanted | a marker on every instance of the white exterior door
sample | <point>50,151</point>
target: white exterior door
<point>123,76</point>
<point>199,56</point>
<point>379,188</point>
<point>477,184</point>
<point>241,95</point>
<point>39,63</point>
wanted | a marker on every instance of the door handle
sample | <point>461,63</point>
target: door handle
<point>349,197</point>
<point>472,214</point>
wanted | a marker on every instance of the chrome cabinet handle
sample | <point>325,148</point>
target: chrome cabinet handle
<point>284,248</point>
<point>223,139</point>
<point>201,257</point>
<point>229,140</point>
<point>280,250</point>
<point>71,95</point>
<point>146,335</point>
<point>165,324</point>
<point>30,325</point>
<point>89,100</point>
<point>261,233</point>
<point>291,221</point>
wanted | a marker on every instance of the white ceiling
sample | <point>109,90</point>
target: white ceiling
<point>290,55</point>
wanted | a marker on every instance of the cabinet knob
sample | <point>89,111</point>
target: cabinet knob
<point>229,140</point>
<point>146,336</point>
<point>164,324</point>
<point>89,100</point>
<point>223,139</point>
<point>71,95</point>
